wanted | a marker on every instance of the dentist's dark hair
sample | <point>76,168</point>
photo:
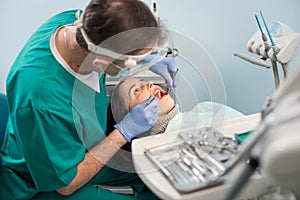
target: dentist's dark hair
<point>103,19</point>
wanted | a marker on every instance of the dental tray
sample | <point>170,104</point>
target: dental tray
<point>197,161</point>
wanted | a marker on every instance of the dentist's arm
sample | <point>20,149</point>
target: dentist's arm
<point>140,119</point>
<point>94,161</point>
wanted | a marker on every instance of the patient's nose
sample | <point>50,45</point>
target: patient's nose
<point>150,84</point>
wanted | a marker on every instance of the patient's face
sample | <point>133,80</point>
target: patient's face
<point>140,91</point>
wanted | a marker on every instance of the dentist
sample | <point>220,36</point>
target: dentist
<point>56,144</point>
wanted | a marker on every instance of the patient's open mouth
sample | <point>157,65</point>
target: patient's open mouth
<point>159,93</point>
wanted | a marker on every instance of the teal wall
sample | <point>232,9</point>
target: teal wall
<point>218,27</point>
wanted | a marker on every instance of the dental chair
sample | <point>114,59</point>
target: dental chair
<point>3,118</point>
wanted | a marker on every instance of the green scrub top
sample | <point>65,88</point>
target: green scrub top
<point>54,118</point>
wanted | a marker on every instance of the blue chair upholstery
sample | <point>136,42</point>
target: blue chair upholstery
<point>3,116</point>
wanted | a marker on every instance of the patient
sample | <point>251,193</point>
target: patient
<point>133,91</point>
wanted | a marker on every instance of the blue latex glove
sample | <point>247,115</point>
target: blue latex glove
<point>140,119</point>
<point>166,68</point>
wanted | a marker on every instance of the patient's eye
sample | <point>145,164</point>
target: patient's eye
<point>136,90</point>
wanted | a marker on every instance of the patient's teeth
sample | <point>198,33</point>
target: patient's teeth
<point>159,95</point>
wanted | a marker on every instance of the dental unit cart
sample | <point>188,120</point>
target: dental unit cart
<point>178,148</point>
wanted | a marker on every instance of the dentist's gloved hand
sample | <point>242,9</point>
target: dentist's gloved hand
<point>140,119</point>
<point>166,68</point>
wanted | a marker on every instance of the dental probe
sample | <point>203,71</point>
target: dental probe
<point>275,52</point>
<point>264,38</point>
<point>267,29</point>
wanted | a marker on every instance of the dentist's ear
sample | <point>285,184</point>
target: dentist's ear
<point>101,63</point>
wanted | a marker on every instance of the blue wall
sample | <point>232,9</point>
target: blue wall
<point>219,27</point>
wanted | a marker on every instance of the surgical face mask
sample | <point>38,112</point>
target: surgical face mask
<point>140,67</point>
<point>120,72</point>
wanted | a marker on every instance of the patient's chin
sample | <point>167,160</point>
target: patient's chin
<point>166,104</point>
<point>163,111</point>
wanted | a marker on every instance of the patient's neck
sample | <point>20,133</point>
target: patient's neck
<point>163,121</point>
